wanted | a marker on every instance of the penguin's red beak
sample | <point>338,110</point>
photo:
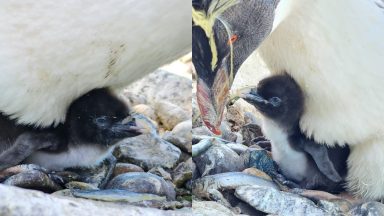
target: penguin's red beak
<point>212,100</point>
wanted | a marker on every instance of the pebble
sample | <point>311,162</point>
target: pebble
<point>181,136</point>
<point>219,158</point>
<point>143,183</point>
<point>121,168</point>
<point>170,114</point>
<point>147,151</point>
<point>33,179</point>
<point>116,195</point>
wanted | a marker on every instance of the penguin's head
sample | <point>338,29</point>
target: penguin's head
<point>224,34</point>
<point>100,117</point>
<point>278,98</point>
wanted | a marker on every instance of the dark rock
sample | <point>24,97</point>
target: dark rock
<point>250,132</point>
<point>33,179</point>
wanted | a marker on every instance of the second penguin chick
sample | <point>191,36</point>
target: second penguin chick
<point>312,165</point>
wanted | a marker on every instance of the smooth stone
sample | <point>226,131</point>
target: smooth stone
<point>145,110</point>
<point>210,208</point>
<point>115,195</point>
<point>17,201</point>
<point>181,136</point>
<point>369,208</point>
<point>182,173</point>
<point>121,168</point>
<point>237,147</point>
<point>143,183</point>
<point>273,201</point>
<point>159,171</point>
<point>203,187</point>
<point>147,151</point>
<point>33,179</point>
<point>162,85</point>
<point>170,114</point>
<point>218,159</point>
<point>133,98</point>
<point>80,185</point>
<point>4,174</point>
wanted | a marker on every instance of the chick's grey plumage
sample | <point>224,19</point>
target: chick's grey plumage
<point>316,166</point>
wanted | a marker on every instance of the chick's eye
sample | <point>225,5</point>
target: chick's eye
<point>275,101</point>
<point>233,39</point>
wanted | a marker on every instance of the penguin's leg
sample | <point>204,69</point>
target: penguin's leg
<point>365,176</point>
<point>25,145</point>
<point>319,153</point>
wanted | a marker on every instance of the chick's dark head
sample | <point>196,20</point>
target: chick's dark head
<point>279,98</point>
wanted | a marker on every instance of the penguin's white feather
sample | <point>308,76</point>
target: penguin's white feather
<point>335,51</point>
<point>54,51</point>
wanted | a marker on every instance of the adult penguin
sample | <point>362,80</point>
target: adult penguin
<point>333,49</point>
<point>52,52</point>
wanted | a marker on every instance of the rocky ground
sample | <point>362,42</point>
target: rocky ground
<point>151,173</point>
<point>234,174</point>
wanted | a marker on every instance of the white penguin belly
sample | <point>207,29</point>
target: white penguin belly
<point>293,163</point>
<point>75,156</point>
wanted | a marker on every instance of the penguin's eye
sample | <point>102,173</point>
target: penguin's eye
<point>102,121</point>
<point>232,39</point>
<point>275,101</point>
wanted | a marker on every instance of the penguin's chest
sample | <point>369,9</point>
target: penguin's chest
<point>293,163</point>
<point>85,155</point>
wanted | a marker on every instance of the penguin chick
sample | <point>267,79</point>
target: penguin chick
<point>94,122</point>
<point>314,166</point>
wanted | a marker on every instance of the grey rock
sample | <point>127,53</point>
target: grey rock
<point>121,168</point>
<point>182,173</point>
<point>145,110</point>
<point>33,179</point>
<point>181,136</point>
<point>170,114</point>
<point>369,208</point>
<point>164,86</point>
<point>209,208</point>
<point>237,147</point>
<point>4,174</point>
<point>35,203</point>
<point>273,201</point>
<point>159,171</point>
<point>218,159</point>
<point>227,181</point>
<point>147,151</point>
<point>143,183</point>
<point>116,195</point>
